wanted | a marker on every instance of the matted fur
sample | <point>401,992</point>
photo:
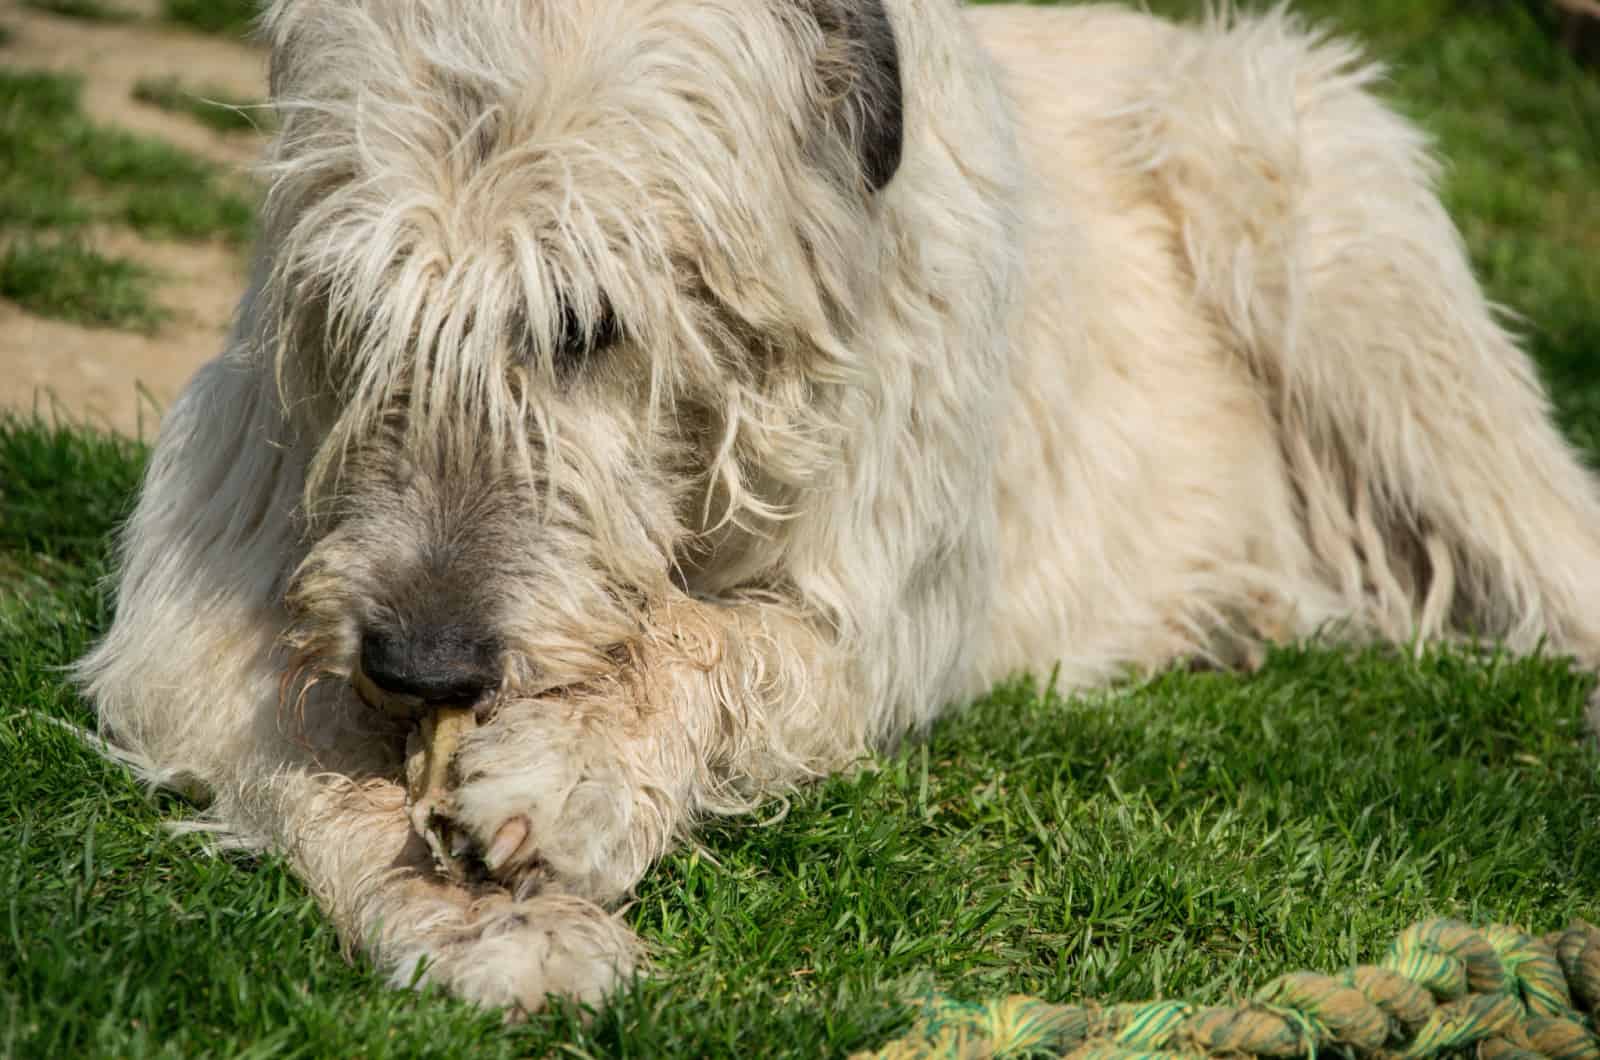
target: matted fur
<point>1156,345</point>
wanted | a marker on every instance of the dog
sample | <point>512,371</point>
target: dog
<point>705,393</point>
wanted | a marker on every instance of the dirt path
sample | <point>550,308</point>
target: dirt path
<point>116,378</point>
<point>122,379</point>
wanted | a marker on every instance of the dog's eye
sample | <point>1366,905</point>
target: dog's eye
<point>578,338</point>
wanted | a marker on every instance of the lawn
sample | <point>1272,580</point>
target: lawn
<point>61,174</point>
<point>1192,835</point>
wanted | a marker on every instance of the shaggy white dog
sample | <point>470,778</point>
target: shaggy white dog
<point>704,392</point>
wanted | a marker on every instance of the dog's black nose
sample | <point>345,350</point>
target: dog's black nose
<point>435,665</point>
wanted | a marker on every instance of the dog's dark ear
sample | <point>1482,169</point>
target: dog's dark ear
<point>861,73</point>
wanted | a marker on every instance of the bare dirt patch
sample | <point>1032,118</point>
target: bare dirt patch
<point>114,378</point>
<point>119,379</point>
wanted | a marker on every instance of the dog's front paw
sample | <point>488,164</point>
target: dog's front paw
<point>544,799</point>
<point>514,954</point>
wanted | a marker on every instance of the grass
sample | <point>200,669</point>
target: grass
<point>1189,836</point>
<point>87,9</point>
<point>212,107</point>
<point>227,17</point>
<point>231,18</point>
<point>61,172</point>
<point>70,281</point>
<point>59,169</point>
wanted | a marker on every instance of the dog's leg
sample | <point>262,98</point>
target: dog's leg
<point>1438,493</point>
<point>353,845</point>
<point>715,707</point>
<point>189,680</point>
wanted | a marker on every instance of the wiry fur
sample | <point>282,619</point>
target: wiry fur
<point>1156,344</point>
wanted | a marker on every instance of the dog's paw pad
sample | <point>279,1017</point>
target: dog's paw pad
<point>509,838</point>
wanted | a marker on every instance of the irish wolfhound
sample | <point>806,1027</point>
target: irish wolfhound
<point>708,391</point>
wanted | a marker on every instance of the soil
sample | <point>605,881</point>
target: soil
<point>119,379</point>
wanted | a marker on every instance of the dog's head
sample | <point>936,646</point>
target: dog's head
<point>561,292</point>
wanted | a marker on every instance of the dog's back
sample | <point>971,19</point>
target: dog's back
<point>1256,378</point>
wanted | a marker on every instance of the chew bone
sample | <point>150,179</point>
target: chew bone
<point>429,749</point>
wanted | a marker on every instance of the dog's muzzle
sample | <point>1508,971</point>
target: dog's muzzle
<point>443,683</point>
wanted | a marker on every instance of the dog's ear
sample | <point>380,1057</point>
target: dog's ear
<point>860,65</point>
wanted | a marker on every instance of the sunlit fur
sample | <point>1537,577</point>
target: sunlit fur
<point>1158,346</point>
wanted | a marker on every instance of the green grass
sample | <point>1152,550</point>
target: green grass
<point>1190,836</point>
<point>93,10</point>
<point>61,172</point>
<point>68,280</point>
<point>232,18</point>
<point>59,169</point>
<point>211,107</point>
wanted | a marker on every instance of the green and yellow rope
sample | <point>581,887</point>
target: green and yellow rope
<point>1444,987</point>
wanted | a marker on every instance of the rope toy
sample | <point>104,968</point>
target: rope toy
<point>1443,987</point>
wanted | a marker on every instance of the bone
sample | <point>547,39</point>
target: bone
<point>429,749</point>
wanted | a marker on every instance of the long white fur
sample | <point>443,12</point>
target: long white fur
<point>1159,345</point>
